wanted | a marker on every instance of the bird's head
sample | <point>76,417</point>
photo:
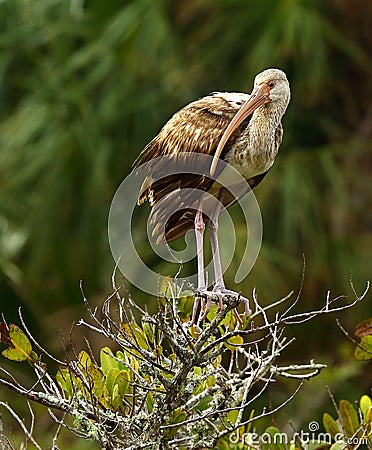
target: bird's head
<point>270,87</point>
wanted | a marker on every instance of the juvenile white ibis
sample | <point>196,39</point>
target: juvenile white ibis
<point>244,131</point>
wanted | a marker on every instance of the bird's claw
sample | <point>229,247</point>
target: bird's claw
<point>229,293</point>
<point>217,294</point>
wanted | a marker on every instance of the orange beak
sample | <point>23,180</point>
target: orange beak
<point>259,96</point>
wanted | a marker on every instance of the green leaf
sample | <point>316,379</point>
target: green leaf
<point>318,445</point>
<point>65,380</point>
<point>135,332</point>
<point>176,416</point>
<point>122,381</point>
<point>84,360</point>
<point>368,419</point>
<point>19,339</point>
<point>234,342</point>
<point>251,415</point>
<point>198,371</point>
<point>185,304</point>
<point>20,346</point>
<point>212,312</point>
<point>117,384</point>
<point>14,354</point>
<point>110,380</point>
<point>348,417</point>
<point>115,399</point>
<point>275,440</point>
<point>363,351</point>
<point>107,360</point>
<point>211,381</point>
<point>227,323</point>
<point>365,404</point>
<point>337,446</point>
<point>97,379</point>
<point>233,415</point>
<point>203,404</point>
<point>149,402</point>
<point>148,330</point>
<point>121,357</point>
<point>330,425</point>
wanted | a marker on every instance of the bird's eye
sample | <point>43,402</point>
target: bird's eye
<point>272,84</point>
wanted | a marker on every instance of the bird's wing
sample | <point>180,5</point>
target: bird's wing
<point>196,129</point>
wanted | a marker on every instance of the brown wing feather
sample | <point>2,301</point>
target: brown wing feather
<point>195,129</point>
<point>183,220</point>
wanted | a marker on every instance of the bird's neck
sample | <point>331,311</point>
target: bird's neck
<point>259,136</point>
<point>265,119</point>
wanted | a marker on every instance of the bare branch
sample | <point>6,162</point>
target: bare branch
<point>28,433</point>
<point>167,386</point>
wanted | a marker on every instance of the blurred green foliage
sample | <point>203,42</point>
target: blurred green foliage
<point>84,85</point>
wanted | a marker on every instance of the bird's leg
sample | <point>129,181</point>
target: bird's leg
<point>213,228</point>
<point>199,235</point>
<point>199,226</point>
<point>219,287</point>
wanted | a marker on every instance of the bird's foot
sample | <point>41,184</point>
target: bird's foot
<point>217,294</point>
<point>223,292</point>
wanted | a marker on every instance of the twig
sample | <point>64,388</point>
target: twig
<point>27,433</point>
<point>42,349</point>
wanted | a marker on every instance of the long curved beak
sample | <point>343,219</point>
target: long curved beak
<point>259,96</point>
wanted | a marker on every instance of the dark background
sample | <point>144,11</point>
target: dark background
<point>84,85</point>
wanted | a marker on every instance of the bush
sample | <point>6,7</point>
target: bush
<point>165,383</point>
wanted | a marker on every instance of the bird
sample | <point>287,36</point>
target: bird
<point>223,128</point>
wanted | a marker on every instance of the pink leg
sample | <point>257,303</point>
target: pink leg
<point>219,286</point>
<point>199,236</point>
<point>213,227</point>
<point>219,289</point>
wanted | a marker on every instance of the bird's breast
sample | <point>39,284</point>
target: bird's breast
<point>251,157</point>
